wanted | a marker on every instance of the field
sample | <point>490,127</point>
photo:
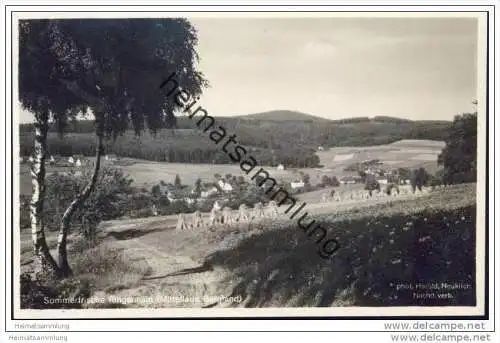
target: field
<point>405,153</point>
<point>401,154</point>
<point>149,173</point>
<point>384,247</point>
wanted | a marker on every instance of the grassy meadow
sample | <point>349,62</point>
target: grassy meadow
<point>385,249</point>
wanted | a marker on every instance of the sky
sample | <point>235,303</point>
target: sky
<point>415,68</point>
<point>339,67</point>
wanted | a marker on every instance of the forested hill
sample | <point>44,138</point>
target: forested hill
<point>272,140</point>
<point>271,130</point>
<point>283,115</point>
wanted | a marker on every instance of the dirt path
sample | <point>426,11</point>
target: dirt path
<point>175,280</point>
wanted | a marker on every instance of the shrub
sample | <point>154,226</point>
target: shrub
<point>105,268</point>
<point>334,181</point>
<point>390,187</point>
<point>329,181</point>
<point>67,293</point>
<point>419,179</point>
<point>177,181</point>
<point>105,202</point>
<point>176,207</point>
<point>156,191</point>
<point>371,184</point>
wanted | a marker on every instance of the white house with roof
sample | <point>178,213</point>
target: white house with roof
<point>382,180</point>
<point>209,192</point>
<point>171,197</point>
<point>297,184</point>
<point>189,200</point>
<point>225,186</point>
<point>111,157</point>
<point>347,180</point>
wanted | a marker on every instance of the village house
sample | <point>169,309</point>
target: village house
<point>280,167</point>
<point>209,192</point>
<point>189,200</point>
<point>225,186</point>
<point>347,180</point>
<point>297,184</point>
<point>382,180</point>
<point>111,157</point>
<point>171,197</point>
<point>374,171</point>
<point>177,195</point>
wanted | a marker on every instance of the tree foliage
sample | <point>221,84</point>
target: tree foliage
<point>419,179</point>
<point>106,202</point>
<point>371,183</point>
<point>390,187</point>
<point>329,181</point>
<point>459,156</point>
<point>114,64</point>
<point>404,174</point>
<point>177,181</point>
<point>282,136</point>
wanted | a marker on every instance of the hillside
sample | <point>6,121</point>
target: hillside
<point>272,137</point>
<point>283,115</point>
<point>399,154</point>
<point>430,238</point>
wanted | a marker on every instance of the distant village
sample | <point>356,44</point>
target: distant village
<point>224,186</point>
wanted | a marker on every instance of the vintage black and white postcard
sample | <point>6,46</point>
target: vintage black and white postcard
<point>238,164</point>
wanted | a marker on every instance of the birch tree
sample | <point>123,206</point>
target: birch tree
<point>112,67</point>
<point>42,94</point>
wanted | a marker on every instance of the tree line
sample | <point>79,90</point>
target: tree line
<point>309,134</point>
<point>170,147</point>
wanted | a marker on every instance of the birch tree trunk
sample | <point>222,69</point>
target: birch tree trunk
<point>76,204</point>
<point>45,265</point>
